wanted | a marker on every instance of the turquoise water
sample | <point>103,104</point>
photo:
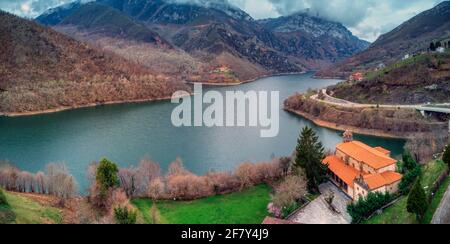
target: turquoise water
<point>129,132</point>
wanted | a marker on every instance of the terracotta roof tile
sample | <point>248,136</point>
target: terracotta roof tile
<point>364,153</point>
<point>391,177</point>
<point>376,181</point>
<point>344,172</point>
<point>383,150</point>
<point>348,174</point>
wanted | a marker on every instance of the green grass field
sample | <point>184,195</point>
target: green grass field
<point>397,214</point>
<point>246,207</point>
<point>22,210</point>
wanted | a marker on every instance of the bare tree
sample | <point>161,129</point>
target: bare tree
<point>60,183</point>
<point>156,189</point>
<point>57,181</point>
<point>289,191</point>
<point>177,168</point>
<point>127,177</point>
<point>146,173</point>
<point>246,173</point>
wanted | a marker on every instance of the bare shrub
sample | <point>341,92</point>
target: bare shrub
<point>60,183</point>
<point>289,191</point>
<point>224,182</point>
<point>177,168</point>
<point>188,187</point>
<point>247,174</point>
<point>157,189</point>
<point>146,173</point>
<point>136,181</point>
<point>268,171</point>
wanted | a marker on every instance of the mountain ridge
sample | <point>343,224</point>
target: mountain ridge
<point>223,37</point>
<point>411,37</point>
<point>41,69</point>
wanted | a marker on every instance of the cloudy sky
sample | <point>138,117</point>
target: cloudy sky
<point>367,19</point>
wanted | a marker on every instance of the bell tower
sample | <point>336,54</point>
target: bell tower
<point>348,136</point>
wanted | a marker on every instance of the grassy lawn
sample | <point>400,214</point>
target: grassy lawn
<point>22,210</point>
<point>397,213</point>
<point>431,173</point>
<point>246,207</point>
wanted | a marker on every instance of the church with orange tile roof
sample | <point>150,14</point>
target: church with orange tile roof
<point>359,169</point>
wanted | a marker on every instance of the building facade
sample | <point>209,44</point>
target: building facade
<point>359,169</point>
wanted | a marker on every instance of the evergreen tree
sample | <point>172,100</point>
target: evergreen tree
<point>446,156</point>
<point>3,200</point>
<point>432,47</point>
<point>107,176</point>
<point>409,163</point>
<point>309,156</point>
<point>417,201</point>
<point>125,216</point>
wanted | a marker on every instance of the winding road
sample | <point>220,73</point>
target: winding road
<point>344,103</point>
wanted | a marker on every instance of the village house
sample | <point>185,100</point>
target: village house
<point>358,76</point>
<point>359,169</point>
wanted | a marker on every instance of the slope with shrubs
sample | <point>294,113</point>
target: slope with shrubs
<point>41,69</point>
<point>411,37</point>
<point>421,79</point>
<point>393,121</point>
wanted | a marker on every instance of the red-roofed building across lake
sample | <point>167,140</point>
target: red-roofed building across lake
<point>358,76</point>
<point>359,169</point>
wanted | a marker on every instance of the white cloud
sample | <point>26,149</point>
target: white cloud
<point>25,8</point>
<point>257,9</point>
<point>367,19</point>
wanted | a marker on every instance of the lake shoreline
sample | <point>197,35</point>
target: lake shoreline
<point>128,133</point>
<point>343,128</point>
<point>246,81</point>
<point>91,105</point>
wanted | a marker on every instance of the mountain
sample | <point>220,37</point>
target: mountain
<point>54,16</point>
<point>217,35</point>
<point>412,37</point>
<point>218,40</point>
<point>107,21</point>
<point>300,34</point>
<point>41,69</point>
<point>259,41</point>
